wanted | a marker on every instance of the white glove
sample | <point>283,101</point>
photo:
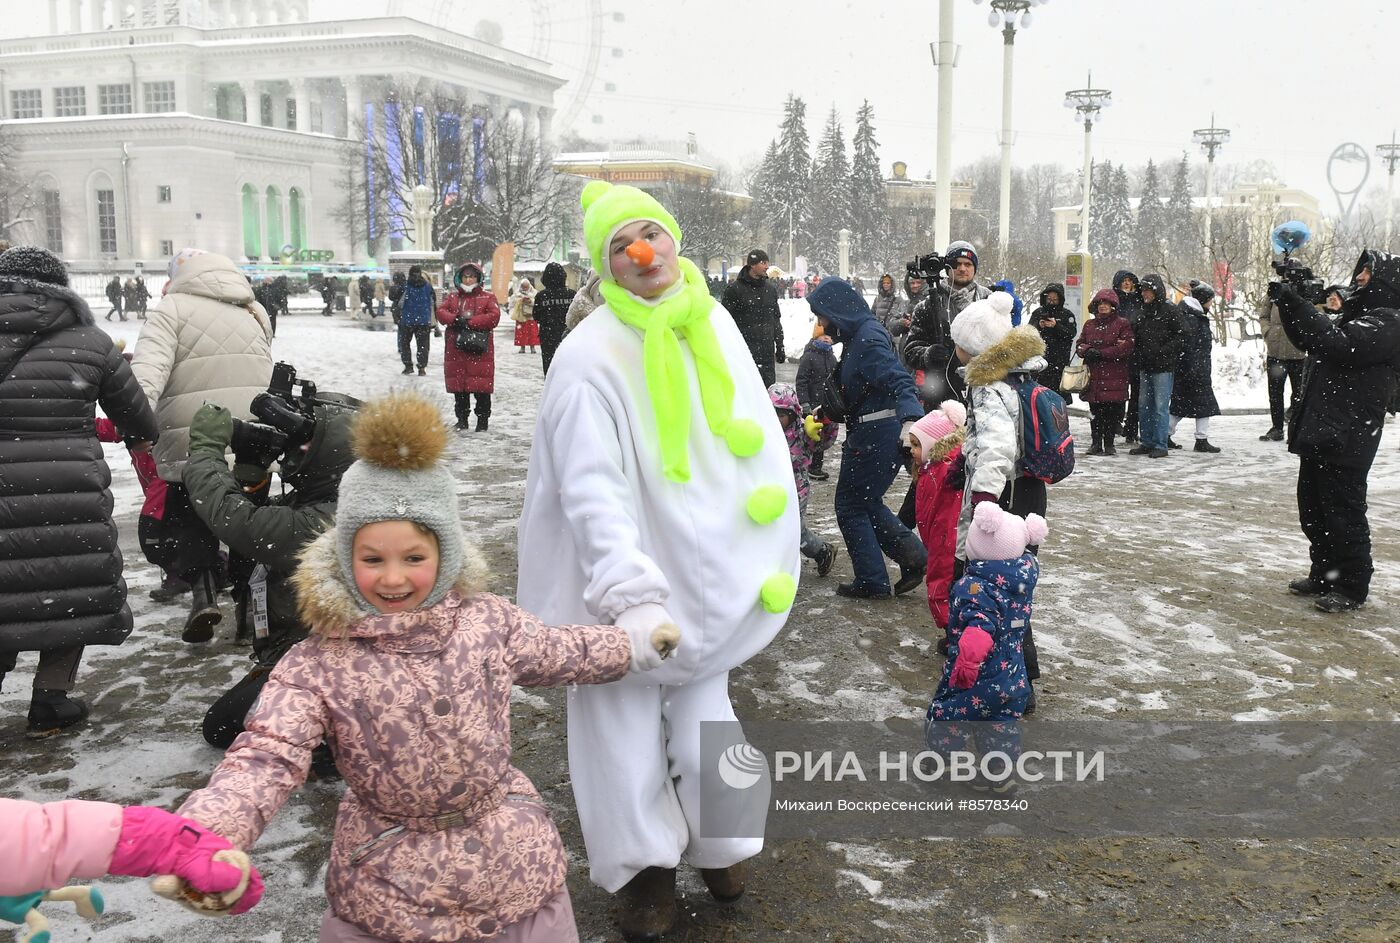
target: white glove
<point>904,432</point>
<point>653,633</point>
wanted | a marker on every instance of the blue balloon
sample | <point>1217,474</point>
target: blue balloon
<point>1290,236</point>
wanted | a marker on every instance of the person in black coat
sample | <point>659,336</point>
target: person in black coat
<point>1125,285</point>
<point>1057,326</point>
<point>1351,371</point>
<point>814,372</point>
<point>1192,392</point>
<point>880,404</point>
<point>752,301</point>
<point>1160,335</point>
<point>552,310</point>
<point>61,585</point>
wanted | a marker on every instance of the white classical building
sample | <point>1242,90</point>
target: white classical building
<point>148,125</point>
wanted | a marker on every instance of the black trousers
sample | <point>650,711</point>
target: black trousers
<point>1280,371</point>
<point>1332,512</point>
<point>192,547</point>
<point>1130,423</point>
<point>409,335</point>
<point>58,667</point>
<point>1021,496</point>
<point>1105,421</point>
<point>462,405</point>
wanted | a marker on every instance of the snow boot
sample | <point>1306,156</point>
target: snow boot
<point>852,591</point>
<point>170,588</point>
<point>825,558</point>
<point>726,885</point>
<point>1307,586</point>
<point>1157,453</point>
<point>481,422</point>
<point>204,609</point>
<point>422,371</point>
<point>1139,449</point>
<point>1203,445</point>
<point>408,369</point>
<point>648,908</point>
<point>1338,602</point>
<point>816,473</point>
<point>1097,447</point>
<point>1108,447</point>
<point>909,577</point>
<point>1171,443</point>
<point>52,712</point>
<point>1275,434</point>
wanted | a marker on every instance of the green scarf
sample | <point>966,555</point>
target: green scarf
<point>687,313</point>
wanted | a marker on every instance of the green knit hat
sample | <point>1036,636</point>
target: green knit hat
<point>607,208</point>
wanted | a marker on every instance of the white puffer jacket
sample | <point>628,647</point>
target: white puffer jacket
<point>207,341</point>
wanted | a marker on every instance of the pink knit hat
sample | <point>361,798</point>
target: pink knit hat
<point>995,534</point>
<point>946,419</point>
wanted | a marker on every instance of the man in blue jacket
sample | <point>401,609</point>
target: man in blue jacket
<point>880,404</point>
<point>416,308</point>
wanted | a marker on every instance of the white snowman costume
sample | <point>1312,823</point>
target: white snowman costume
<point>604,530</point>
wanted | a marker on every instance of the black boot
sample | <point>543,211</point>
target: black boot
<point>481,423</point>
<point>816,473</point>
<point>1203,445</point>
<point>204,609</point>
<point>1108,447</point>
<point>1097,447</point>
<point>52,712</point>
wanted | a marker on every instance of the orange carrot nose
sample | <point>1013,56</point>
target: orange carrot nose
<point>641,252</point>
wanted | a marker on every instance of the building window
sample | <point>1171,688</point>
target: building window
<point>107,222</point>
<point>53,222</point>
<point>167,247</point>
<point>114,99</point>
<point>158,96</point>
<point>70,102</point>
<point>163,194</point>
<point>27,103</point>
<point>317,124</point>
<point>291,114</point>
<point>266,109</point>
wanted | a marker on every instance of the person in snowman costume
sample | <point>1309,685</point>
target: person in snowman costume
<point>659,491</point>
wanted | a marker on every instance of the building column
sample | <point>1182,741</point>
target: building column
<point>354,105</point>
<point>95,11</point>
<point>53,17</point>
<point>280,97</point>
<point>303,100</point>
<point>546,124</point>
<point>252,103</point>
<point>75,16</point>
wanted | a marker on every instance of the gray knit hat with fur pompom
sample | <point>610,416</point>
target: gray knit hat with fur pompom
<point>397,476</point>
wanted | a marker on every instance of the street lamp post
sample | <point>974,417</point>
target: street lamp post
<point>1088,104</point>
<point>945,56</point>
<point>1390,154</point>
<point>1211,140</point>
<point>1004,13</point>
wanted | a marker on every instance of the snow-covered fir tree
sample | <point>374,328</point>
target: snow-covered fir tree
<point>869,209</point>
<point>792,180</point>
<point>831,194</point>
<point>1183,235</point>
<point>1151,232</point>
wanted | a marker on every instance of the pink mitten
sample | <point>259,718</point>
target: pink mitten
<point>973,648</point>
<point>154,841</point>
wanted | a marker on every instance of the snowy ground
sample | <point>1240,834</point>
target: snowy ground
<point>1161,598</point>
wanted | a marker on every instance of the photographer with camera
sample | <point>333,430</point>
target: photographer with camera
<point>207,341</point>
<point>311,434</point>
<point>929,346</point>
<point>1348,379</point>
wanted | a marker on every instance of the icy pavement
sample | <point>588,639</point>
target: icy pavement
<point>1161,597</point>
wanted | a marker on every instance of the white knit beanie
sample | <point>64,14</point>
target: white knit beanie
<point>983,323</point>
<point>397,477</point>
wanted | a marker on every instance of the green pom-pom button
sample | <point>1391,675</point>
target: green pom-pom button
<point>766,504</point>
<point>744,437</point>
<point>778,592</point>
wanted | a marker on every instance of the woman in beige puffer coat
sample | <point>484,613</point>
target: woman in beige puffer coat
<point>207,341</point>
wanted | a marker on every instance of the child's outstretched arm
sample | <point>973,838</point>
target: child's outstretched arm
<point>47,845</point>
<point>268,761</point>
<point>552,655</point>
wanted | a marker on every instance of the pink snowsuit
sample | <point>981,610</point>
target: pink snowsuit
<point>49,844</point>
<point>438,837</point>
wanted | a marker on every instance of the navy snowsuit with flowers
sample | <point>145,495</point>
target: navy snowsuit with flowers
<point>995,596</point>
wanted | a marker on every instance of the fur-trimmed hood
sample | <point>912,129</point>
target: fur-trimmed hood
<point>947,445</point>
<point>1021,350</point>
<point>50,314</point>
<point>328,608</point>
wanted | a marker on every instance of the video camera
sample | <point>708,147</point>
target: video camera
<point>929,267</point>
<point>286,419</point>
<point>1288,238</point>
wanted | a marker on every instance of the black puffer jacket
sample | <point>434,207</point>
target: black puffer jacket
<point>1060,338</point>
<point>1193,395</point>
<point>60,569</point>
<point>753,303</point>
<point>1351,370</point>
<point>1160,331</point>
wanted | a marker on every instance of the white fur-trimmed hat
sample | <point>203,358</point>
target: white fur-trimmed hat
<point>983,323</point>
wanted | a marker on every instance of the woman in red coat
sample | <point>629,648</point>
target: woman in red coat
<point>1105,345</point>
<point>470,306</point>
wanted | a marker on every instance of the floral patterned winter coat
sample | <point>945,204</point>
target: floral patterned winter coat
<point>800,445</point>
<point>439,837</point>
<point>995,596</point>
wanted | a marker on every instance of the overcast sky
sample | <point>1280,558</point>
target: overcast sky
<point>1289,81</point>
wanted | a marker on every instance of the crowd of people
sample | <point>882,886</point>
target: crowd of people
<point>360,593</point>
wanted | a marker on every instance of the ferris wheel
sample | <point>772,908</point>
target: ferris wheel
<point>567,34</point>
